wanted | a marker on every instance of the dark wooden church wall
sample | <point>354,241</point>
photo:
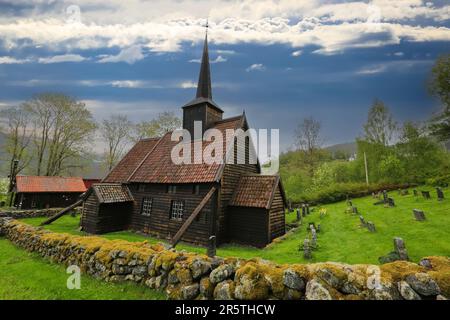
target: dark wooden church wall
<point>277,216</point>
<point>248,226</point>
<point>231,175</point>
<point>159,222</point>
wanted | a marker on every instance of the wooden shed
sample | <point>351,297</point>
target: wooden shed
<point>256,211</point>
<point>106,208</point>
<point>40,192</point>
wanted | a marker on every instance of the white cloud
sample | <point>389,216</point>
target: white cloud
<point>129,55</point>
<point>12,60</point>
<point>188,85</point>
<point>297,53</point>
<point>219,59</point>
<point>162,26</point>
<point>62,58</point>
<point>256,67</point>
<point>393,66</point>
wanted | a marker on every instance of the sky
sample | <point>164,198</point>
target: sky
<point>279,60</point>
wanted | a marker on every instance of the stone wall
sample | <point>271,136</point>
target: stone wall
<point>186,275</point>
<point>23,214</point>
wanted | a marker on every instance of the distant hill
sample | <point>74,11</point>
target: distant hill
<point>347,148</point>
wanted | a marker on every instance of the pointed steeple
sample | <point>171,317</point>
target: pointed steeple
<point>204,80</point>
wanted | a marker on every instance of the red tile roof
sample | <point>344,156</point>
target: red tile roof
<point>131,161</point>
<point>152,163</point>
<point>255,191</point>
<point>28,184</point>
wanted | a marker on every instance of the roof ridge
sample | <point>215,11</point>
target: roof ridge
<point>229,119</point>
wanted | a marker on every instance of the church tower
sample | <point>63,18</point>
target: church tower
<point>202,108</point>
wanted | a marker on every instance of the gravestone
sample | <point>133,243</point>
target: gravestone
<point>299,216</point>
<point>318,228</point>
<point>363,222</point>
<point>391,202</point>
<point>307,209</point>
<point>374,195</point>
<point>371,226</point>
<point>354,210</point>
<point>419,215</point>
<point>440,194</point>
<point>303,210</point>
<point>313,238</point>
<point>426,194</point>
<point>306,250</point>
<point>415,193</point>
<point>385,196</point>
<point>211,249</point>
<point>400,249</point>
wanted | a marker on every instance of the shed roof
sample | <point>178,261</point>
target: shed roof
<point>112,193</point>
<point>256,191</point>
<point>37,184</point>
<point>149,161</point>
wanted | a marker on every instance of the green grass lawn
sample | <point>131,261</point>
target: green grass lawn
<point>25,275</point>
<point>341,238</point>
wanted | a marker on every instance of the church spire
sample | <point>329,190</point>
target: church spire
<point>204,79</point>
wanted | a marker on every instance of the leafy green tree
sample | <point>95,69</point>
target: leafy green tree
<point>380,126</point>
<point>163,123</point>
<point>440,87</point>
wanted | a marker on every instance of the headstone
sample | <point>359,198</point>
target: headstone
<point>374,195</point>
<point>354,210</point>
<point>318,228</point>
<point>313,238</point>
<point>307,209</point>
<point>440,194</point>
<point>400,249</point>
<point>299,216</point>
<point>363,222</point>
<point>311,225</point>
<point>371,226</point>
<point>419,215</point>
<point>303,210</point>
<point>211,249</point>
<point>391,202</point>
<point>306,249</point>
<point>385,196</point>
<point>415,193</point>
<point>426,194</point>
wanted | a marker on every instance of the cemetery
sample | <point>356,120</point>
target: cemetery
<point>338,235</point>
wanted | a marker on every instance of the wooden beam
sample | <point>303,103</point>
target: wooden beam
<point>64,211</point>
<point>191,218</point>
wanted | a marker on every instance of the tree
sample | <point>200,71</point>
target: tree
<point>163,123</point>
<point>307,136</point>
<point>116,132</point>
<point>380,127</point>
<point>440,87</point>
<point>63,129</point>
<point>16,126</point>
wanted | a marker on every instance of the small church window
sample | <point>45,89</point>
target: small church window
<point>177,210</point>
<point>147,204</point>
